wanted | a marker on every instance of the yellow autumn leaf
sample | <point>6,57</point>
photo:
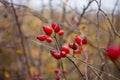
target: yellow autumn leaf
<point>19,52</point>
<point>32,70</point>
<point>6,74</point>
<point>64,3</point>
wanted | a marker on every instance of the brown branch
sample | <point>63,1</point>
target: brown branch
<point>111,24</point>
<point>115,6</point>
<point>81,74</point>
<point>84,10</point>
<point>96,69</point>
<point>21,37</point>
<point>86,65</point>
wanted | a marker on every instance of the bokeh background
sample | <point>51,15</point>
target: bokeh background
<point>21,21</point>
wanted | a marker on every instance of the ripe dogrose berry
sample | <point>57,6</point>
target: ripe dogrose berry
<point>70,45</point>
<point>63,54</point>
<point>65,71</point>
<point>54,25</point>
<point>73,46</point>
<point>48,30</point>
<point>84,41</point>
<point>57,71</point>
<point>53,51</point>
<point>55,54</point>
<point>65,49</point>
<point>113,52</point>
<point>49,40</point>
<point>57,29</point>
<point>60,33</point>
<point>58,77</point>
<point>41,37</point>
<point>78,40</point>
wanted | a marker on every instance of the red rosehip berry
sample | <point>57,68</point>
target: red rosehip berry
<point>63,54</point>
<point>65,49</point>
<point>70,45</point>
<point>57,29</point>
<point>49,40</point>
<point>73,46</point>
<point>77,39</point>
<point>54,25</point>
<point>60,33</point>
<point>65,71</point>
<point>48,30</point>
<point>113,52</point>
<point>41,37</point>
<point>56,55</point>
<point>57,71</point>
<point>53,51</point>
<point>58,77</point>
<point>84,41</point>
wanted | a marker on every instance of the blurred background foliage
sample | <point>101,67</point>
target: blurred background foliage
<point>12,58</point>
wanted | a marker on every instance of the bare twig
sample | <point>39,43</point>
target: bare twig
<point>76,67</point>
<point>21,36</point>
<point>111,24</point>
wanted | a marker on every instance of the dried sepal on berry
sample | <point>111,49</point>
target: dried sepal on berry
<point>73,46</point>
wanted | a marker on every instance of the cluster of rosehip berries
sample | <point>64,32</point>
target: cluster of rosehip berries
<point>48,32</point>
<point>76,47</point>
<point>77,44</point>
<point>57,72</point>
<point>63,50</point>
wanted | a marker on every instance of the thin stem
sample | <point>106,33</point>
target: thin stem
<point>94,68</point>
<point>95,73</point>
<point>58,44</point>
<point>21,36</point>
<point>75,66</point>
<point>86,65</point>
<point>60,61</point>
<point>63,69</point>
<point>112,26</point>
